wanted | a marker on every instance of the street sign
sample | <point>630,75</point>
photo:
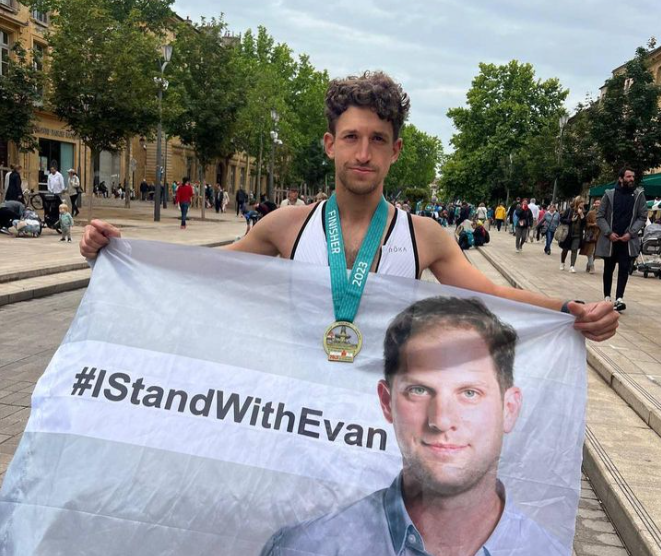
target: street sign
<point>134,164</point>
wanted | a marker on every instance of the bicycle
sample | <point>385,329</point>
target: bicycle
<point>33,199</point>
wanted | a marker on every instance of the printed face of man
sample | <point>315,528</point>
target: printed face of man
<point>363,149</point>
<point>448,411</point>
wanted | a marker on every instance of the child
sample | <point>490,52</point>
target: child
<point>65,222</point>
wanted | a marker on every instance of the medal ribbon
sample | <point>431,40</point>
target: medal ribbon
<point>347,290</point>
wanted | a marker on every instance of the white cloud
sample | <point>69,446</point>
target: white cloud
<point>433,47</point>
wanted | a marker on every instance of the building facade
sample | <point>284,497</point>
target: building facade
<point>59,146</point>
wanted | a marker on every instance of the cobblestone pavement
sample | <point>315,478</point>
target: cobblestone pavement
<point>32,332</point>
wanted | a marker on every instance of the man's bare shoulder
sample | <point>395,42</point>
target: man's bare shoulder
<point>276,233</point>
<point>433,241</point>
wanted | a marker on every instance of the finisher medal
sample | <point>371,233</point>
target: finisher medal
<point>342,340</point>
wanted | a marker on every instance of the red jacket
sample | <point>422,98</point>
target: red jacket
<point>184,193</point>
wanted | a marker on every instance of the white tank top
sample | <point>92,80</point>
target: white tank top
<point>398,255</point>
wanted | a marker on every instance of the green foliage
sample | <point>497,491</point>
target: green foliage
<point>206,90</point>
<point>508,112</point>
<point>296,91</point>
<point>626,121</point>
<point>415,194</point>
<point>18,94</point>
<point>102,69</point>
<point>418,163</point>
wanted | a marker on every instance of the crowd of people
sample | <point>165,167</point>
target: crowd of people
<point>610,228</point>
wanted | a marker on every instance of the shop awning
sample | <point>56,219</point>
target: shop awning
<point>651,183</point>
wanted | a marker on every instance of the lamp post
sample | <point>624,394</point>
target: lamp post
<point>166,51</point>
<point>274,141</point>
<point>562,122</point>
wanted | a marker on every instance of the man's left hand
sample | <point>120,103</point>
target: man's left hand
<point>596,321</point>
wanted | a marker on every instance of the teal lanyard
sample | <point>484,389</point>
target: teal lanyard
<point>347,291</point>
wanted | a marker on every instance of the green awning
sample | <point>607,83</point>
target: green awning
<point>651,183</point>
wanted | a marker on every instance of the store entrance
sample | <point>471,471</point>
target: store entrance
<point>54,153</point>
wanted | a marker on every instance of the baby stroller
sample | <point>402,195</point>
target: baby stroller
<point>51,204</point>
<point>649,260</point>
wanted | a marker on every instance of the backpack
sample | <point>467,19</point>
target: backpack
<point>471,238</point>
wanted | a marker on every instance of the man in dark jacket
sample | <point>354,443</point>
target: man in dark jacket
<point>15,189</point>
<point>621,215</point>
<point>241,198</point>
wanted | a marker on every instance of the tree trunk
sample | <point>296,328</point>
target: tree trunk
<point>248,188</point>
<point>203,189</point>
<point>90,193</point>
<point>127,174</point>
<point>258,186</point>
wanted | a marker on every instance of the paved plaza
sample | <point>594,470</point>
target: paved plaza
<point>624,377</point>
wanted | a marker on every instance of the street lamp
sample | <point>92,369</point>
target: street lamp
<point>562,122</point>
<point>166,52</point>
<point>274,141</point>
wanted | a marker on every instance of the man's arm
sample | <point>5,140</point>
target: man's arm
<point>604,226</point>
<point>597,321</point>
<point>641,217</point>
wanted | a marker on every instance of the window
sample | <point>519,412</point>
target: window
<point>38,53</point>
<point>41,17</point>
<point>8,3</point>
<point>4,52</point>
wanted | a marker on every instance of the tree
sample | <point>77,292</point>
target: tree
<point>626,121</point>
<point>418,163</point>
<point>103,63</point>
<point>19,92</point>
<point>206,92</point>
<point>506,109</point>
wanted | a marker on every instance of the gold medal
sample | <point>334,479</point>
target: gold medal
<point>342,342</point>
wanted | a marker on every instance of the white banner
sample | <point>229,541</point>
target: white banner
<point>191,409</point>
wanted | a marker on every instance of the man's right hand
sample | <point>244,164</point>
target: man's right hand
<point>614,237</point>
<point>96,236</point>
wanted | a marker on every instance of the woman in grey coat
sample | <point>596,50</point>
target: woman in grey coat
<point>622,214</point>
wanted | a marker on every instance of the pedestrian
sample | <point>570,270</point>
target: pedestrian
<point>535,219</point>
<point>540,221</point>
<point>622,214</point>
<point>10,211</point>
<point>465,235</point>
<point>5,183</point>
<point>218,197</point>
<point>226,201</point>
<point>590,239</point>
<point>292,199</point>
<point>321,196</point>
<point>358,110</point>
<point>65,222</point>
<point>490,213</point>
<point>481,212</point>
<point>549,226</point>
<point>574,218</point>
<point>523,223</point>
<point>15,186</point>
<point>73,189</point>
<point>480,234</point>
<point>184,197</point>
<point>56,183</point>
<point>144,190</point>
<point>240,198</point>
<point>500,214</point>
<point>511,214</point>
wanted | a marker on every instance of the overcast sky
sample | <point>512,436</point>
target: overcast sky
<point>433,47</point>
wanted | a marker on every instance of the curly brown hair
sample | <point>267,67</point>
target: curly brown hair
<point>374,90</point>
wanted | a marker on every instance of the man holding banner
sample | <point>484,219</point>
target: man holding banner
<point>449,393</point>
<point>365,115</point>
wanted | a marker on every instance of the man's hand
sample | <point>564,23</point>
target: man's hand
<point>96,236</point>
<point>626,237</point>
<point>614,237</point>
<point>596,321</point>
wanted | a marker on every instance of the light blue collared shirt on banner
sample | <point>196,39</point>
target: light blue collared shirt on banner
<point>379,525</point>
